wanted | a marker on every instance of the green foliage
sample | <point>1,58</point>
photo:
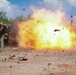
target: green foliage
<point>3,18</point>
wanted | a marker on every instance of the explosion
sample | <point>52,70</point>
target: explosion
<point>46,30</point>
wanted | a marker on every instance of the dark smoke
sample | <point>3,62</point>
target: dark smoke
<point>13,33</point>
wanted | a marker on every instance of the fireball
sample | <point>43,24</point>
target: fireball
<point>46,30</point>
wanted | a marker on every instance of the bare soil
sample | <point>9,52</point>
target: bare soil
<point>18,61</point>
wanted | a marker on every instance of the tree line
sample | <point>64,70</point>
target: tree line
<point>4,19</point>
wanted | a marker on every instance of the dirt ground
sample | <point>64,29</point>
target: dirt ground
<point>18,61</point>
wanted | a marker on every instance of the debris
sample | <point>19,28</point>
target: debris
<point>22,59</point>
<point>23,9</point>
<point>51,73</point>
<point>56,30</point>
<point>63,51</point>
<point>10,66</point>
<point>49,63</point>
<point>5,59</point>
<point>11,57</point>
<point>0,51</point>
<point>18,62</point>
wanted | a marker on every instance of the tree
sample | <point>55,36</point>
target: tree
<point>3,18</point>
<point>3,29</point>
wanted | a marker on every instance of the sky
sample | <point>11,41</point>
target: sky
<point>25,7</point>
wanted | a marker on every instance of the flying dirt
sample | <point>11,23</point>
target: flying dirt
<point>46,30</point>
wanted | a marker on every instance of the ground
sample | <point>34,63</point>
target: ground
<point>19,61</point>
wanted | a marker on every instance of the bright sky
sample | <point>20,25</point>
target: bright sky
<point>25,7</point>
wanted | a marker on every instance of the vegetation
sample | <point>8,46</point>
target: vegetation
<point>3,18</point>
<point>5,21</point>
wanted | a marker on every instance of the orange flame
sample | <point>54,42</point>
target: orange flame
<point>46,30</point>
